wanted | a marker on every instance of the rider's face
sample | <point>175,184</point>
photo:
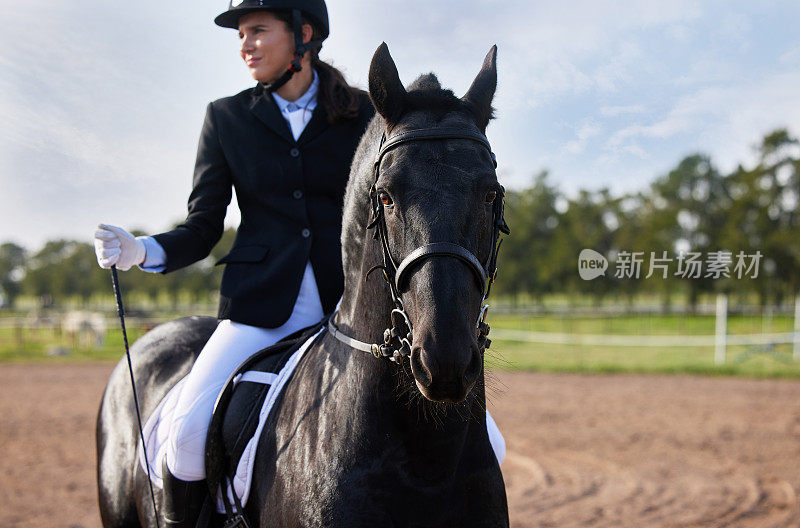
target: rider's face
<point>267,45</point>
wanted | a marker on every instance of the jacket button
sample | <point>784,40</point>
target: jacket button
<point>297,194</point>
<point>294,152</point>
<point>306,233</point>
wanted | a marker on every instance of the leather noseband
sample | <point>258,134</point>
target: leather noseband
<point>440,249</point>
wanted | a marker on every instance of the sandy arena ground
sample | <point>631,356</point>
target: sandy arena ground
<point>630,451</point>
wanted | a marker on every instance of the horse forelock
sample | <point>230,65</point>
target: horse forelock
<point>427,95</point>
<point>426,81</point>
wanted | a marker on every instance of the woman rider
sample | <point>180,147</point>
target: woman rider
<point>286,147</point>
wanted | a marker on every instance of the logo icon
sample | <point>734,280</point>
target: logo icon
<point>591,264</point>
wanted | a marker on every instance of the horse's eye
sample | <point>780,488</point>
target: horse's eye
<point>490,196</point>
<point>385,199</point>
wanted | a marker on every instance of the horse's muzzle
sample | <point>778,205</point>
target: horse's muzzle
<point>445,374</point>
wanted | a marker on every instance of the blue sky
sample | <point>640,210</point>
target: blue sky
<point>102,102</point>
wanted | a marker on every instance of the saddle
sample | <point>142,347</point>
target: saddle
<point>238,417</point>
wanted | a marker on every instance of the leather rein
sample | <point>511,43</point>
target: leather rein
<point>398,339</point>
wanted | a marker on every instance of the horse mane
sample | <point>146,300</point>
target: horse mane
<point>425,94</point>
<point>356,210</point>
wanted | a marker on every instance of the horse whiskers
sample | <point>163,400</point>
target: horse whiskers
<point>406,392</point>
<point>497,357</point>
<point>493,386</point>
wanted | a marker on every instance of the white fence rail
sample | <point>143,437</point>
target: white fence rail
<point>720,340</point>
<point>623,340</point>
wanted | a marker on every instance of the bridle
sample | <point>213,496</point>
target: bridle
<point>398,339</point>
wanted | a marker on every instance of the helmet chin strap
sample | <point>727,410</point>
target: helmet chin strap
<point>300,49</point>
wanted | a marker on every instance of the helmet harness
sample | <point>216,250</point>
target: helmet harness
<point>300,49</point>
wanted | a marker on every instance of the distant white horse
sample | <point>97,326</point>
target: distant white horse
<point>85,328</point>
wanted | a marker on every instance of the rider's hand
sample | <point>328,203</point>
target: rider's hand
<point>113,245</point>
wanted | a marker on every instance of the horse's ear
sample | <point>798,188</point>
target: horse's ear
<point>480,94</point>
<point>385,89</point>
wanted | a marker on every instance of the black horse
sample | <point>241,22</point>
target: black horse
<point>357,440</point>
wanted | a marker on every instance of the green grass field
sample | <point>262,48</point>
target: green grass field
<point>45,344</point>
<point>49,345</point>
<point>510,355</point>
<point>751,361</point>
<point>655,324</point>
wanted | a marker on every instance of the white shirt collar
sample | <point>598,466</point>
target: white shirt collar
<point>307,101</point>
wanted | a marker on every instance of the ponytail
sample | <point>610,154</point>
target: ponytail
<point>339,98</point>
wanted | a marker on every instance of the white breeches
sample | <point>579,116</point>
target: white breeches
<point>230,345</point>
<point>496,439</point>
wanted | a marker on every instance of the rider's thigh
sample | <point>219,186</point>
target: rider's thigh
<point>230,345</point>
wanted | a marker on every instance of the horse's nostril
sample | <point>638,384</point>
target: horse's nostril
<point>421,372</point>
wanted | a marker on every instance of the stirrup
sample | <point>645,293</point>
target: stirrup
<point>234,513</point>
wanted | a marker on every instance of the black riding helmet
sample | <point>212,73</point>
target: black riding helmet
<point>314,10</point>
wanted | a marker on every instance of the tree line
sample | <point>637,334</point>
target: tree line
<point>67,269</point>
<point>693,210</point>
<point>693,215</point>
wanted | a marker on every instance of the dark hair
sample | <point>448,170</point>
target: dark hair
<point>341,101</point>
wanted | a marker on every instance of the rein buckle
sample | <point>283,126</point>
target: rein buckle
<point>375,350</point>
<point>483,328</point>
<point>237,521</point>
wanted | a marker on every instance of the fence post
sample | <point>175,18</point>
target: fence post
<point>19,334</point>
<point>796,337</point>
<point>720,340</point>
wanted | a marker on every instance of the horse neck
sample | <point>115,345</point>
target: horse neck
<point>431,432</point>
<point>366,305</point>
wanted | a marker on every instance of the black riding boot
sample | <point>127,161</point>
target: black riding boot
<point>182,500</point>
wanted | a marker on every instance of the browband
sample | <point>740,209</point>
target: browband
<point>432,133</point>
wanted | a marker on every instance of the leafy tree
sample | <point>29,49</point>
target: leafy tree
<point>591,221</point>
<point>12,262</point>
<point>526,264</point>
<point>763,216</point>
<point>689,207</point>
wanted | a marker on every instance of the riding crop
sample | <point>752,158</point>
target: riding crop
<point>121,312</point>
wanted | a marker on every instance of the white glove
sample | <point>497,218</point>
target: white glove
<point>113,245</point>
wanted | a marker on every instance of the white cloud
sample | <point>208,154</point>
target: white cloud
<point>614,111</point>
<point>680,33</point>
<point>546,51</point>
<point>586,131</point>
<point>791,57</point>
<point>735,28</point>
<point>620,69</point>
<point>726,122</point>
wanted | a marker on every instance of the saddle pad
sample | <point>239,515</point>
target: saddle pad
<point>156,429</point>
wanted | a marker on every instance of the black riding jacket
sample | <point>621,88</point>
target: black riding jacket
<point>290,194</point>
